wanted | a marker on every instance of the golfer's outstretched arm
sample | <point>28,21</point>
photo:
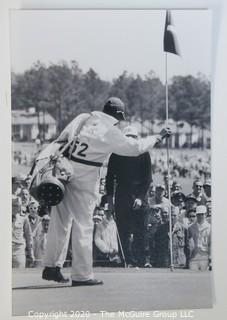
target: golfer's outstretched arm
<point>126,146</point>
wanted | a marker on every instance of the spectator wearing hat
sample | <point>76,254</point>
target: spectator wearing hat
<point>190,202</point>
<point>207,189</point>
<point>16,186</point>
<point>21,236</point>
<point>158,197</point>
<point>25,198</point>
<point>165,214</point>
<point>198,192</point>
<point>27,181</point>
<point>97,218</point>
<point>40,240</point>
<point>131,176</point>
<point>178,200</point>
<point>199,241</point>
<point>161,241</point>
<point>44,210</point>
<point>175,186</point>
<point>191,216</point>
<point>179,236</point>
<point>152,221</point>
<point>34,219</point>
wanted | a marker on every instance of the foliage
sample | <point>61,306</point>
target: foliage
<point>64,91</point>
<point>190,99</point>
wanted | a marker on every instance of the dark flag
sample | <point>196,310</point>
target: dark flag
<point>170,39</point>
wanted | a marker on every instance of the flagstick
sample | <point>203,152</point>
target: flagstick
<point>168,170</point>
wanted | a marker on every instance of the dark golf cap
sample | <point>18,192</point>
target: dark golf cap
<point>115,108</point>
<point>191,197</point>
<point>178,195</point>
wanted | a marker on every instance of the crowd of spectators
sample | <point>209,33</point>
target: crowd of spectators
<point>191,216</point>
<point>29,226</point>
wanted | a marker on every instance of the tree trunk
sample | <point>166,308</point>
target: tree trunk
<point>59,117</point>
<point>38,122</point>
<point>190,139</point>
<point>44,125</point>
<point>177,139</point>
<point>202,139</point>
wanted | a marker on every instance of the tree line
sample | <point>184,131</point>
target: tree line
<point>64,91</point>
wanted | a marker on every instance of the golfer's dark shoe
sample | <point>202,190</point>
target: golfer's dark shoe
<point>54,274</point>
<point>91,282</point>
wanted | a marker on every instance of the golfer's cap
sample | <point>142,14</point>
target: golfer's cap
<point>115,107</point>
<point>201,210</point>
<point>130,131</point>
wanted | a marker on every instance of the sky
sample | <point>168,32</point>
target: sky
<point>111,41</point>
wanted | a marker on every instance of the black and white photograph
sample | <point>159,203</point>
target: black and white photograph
<point>111,162</point>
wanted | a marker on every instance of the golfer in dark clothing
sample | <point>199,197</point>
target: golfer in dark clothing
<point>131,176</point>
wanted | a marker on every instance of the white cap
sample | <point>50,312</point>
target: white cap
<point>201,209</point>
<point>33,201</point>
<point>130,131</point>
<point>45,217</point>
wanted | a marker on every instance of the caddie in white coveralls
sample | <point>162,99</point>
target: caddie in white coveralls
<point>98,138</point>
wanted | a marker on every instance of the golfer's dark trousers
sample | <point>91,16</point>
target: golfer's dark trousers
<point>124,200</point>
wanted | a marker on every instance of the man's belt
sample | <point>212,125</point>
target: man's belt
<point>86,162</point>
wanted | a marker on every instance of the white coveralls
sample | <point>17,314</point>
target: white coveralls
<point>96,141</point>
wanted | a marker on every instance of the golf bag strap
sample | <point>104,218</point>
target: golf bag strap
<point>73,140</point>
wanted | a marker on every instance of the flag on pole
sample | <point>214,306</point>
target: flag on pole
<point>170,38</point>
<point>171,46</point>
